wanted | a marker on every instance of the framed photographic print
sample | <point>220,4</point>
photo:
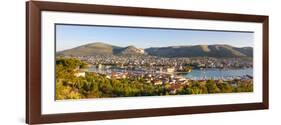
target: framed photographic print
<point>94,62</point>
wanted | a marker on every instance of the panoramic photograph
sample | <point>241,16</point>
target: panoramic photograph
<point>109,61</point>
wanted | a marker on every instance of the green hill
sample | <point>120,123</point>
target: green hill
<point>170,51</point>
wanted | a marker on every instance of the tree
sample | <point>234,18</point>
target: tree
<point>224,87</point>
<point>245,86</point>
<point>212,87</point>
<point>196,88</point>
<point>84,65</point>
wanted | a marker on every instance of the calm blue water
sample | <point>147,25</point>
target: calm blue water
<point>218,73</point>
<point>196,74</point>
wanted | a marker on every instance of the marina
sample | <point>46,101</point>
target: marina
<point>195,74</point>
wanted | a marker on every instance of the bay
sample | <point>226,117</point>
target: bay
<point>197,74</point>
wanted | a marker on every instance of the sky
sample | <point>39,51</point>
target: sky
<point>70,36</point>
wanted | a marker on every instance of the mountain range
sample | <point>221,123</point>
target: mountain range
<point>217,50</point>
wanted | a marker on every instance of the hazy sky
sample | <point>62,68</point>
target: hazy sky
<point>70,36</point>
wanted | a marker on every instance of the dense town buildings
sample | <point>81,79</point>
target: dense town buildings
<point>159,70</point>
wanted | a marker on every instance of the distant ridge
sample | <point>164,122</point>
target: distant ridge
<point>218,50</point>
<point>131,50</point>
<point>97,48</point>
